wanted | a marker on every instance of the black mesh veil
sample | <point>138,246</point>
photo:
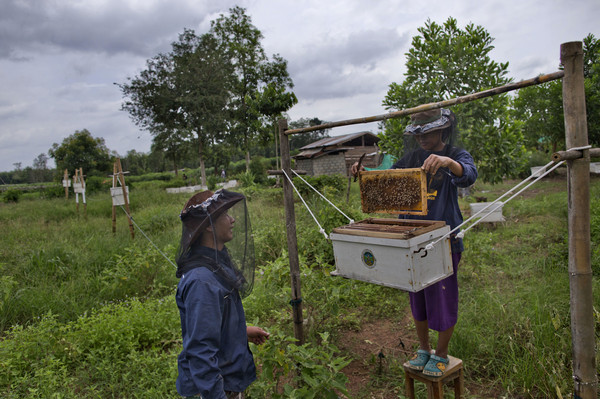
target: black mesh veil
<point>217,234</point>
<point>446,121</point>
<point>424,123</point>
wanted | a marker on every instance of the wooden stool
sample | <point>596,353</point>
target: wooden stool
<point>435,385</point>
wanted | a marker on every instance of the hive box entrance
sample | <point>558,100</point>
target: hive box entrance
<point>396,191</point>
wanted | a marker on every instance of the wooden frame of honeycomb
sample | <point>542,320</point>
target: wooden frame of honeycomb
<point>395,191</point>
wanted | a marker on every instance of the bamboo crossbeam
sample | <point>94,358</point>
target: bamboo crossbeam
<point>425,107</point>
<point>574,154</point>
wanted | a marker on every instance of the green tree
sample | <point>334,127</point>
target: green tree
<point>40,171</point>
<point>272,102</point>
<point>540,108</point>
<point>182,96</point>
<point>203,74</point>
<point>241,40</point>
<point>446,62</point>
<point>300,140</point>
<point>81,150</point>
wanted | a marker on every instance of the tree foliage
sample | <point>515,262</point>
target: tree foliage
<point>216,91</point>
<point>255,81</point>
<point>182,96</point>
<point>540,107</point>
<point>300,140</point>
<point>444,62</point>
<point>81,150</point>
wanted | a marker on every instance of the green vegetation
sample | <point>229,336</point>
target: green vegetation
<point>84,313</point>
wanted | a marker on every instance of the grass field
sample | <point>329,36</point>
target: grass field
<point>86,313</point>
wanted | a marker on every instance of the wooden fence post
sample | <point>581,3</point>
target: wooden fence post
<point>292,242</point>
<point>578,186</point>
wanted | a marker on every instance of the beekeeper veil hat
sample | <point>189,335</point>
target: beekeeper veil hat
<point>202,243</point>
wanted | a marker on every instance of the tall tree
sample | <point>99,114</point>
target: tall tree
<point>81,150</point>
<point>252,70</point>
<point>446,62</point>
<point>40,170</point>
<point>182,96</point>
<point>272,102</point>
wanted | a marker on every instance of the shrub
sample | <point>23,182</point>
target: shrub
<point>55,191</point>
<point>12,195</point>
<point>292,371</point>
<point>211,182</point>
<point>336,182</point>
<point>94,184</point>
<point>247,179</point>
<point>259,170</point>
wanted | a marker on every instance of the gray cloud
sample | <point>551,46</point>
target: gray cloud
<point>59,58</point>
<point>340,66</point>
<point>109,27</point>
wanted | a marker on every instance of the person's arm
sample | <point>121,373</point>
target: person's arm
<point>256,335</point>
<point>203,324</point>
<point>434,162</point>
<point>469,174</point>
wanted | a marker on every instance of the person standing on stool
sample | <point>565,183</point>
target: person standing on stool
<point>429,144</point>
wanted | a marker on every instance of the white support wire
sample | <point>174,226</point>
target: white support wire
<point>321,230</point>
<point>147,238</point>
<point>462,233</point>
<point>325,198</point>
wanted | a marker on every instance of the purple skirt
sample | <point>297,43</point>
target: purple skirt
<point>438,303</point>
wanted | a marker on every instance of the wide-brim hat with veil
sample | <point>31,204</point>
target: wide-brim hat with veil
<point>430,121</point>
<point>200,212</point>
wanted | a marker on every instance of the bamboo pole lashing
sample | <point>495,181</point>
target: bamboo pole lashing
<point>575,154</point>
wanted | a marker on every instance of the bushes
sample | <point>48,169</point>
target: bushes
<point>336,183</point>
<point>12,195</point>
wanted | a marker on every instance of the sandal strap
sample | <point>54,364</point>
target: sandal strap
<point>440,359</point>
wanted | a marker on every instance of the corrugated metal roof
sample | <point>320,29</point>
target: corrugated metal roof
<point>330,141</point>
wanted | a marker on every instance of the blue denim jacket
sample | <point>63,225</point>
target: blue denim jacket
<point>215,356</point>
<point>442,193</point>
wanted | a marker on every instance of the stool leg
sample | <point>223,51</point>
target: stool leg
<point>438,390</point>
<point>459,385</point>
<point>410,385</point>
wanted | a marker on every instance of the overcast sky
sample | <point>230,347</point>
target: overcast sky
<point>60,58</point>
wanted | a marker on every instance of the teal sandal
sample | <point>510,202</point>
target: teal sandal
<point>419,360</point>
<point>436,366</point>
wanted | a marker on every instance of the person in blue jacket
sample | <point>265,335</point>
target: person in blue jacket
<point>430,146</point>
<point>216,361</point>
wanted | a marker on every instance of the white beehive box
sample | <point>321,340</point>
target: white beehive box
<point>391,252</point>
<point>117,195</point>
<point>493,214</point>
<point>78,187</point>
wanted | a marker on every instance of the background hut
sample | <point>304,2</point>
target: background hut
<point>335,155</point>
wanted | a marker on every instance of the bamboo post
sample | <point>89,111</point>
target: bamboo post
<point>66,183</point>
<point>75,182</point>
<point>578,187</point>
<point>114,209</point>
<point>124,188</point>
<point>83,192</point>
<point>292,242</point>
